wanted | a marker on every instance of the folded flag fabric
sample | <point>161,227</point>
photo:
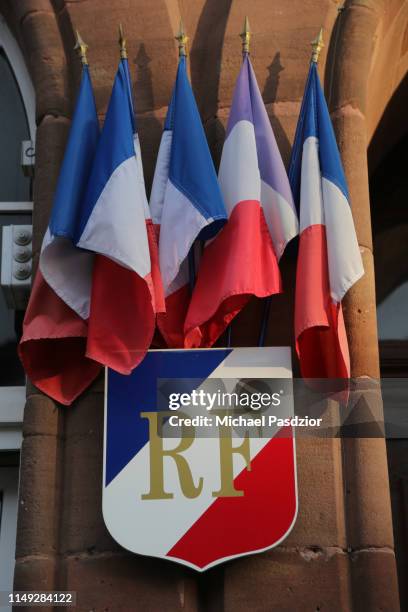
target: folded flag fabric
<point>186,202</point>
<point>53,345</point>
<point>114,225</point>
<point>242,261</point>
<point>329,259</point>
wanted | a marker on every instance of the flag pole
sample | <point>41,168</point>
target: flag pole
<point>265,321</point>
<point>317,45</point>
<point>245,37</point>
<point>267,301</point>
<point>182,40</point>
<point>81,47</point>
<point>122,43</point>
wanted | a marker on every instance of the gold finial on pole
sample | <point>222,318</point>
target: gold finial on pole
<point>182,39</point>
<point>122,43</point>
<point>82,48</point>
<point>317,46</point>
<point>246,36</point>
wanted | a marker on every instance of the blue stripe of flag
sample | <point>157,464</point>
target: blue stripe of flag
<point>128,396</point>
<point>191,168</point>
<point>314,120</point>
<point>77,163</point>
<point>115,144</point>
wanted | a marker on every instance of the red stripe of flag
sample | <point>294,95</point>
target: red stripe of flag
<point>238,264</point>
<point>52,348</point>
<point>321,340</point>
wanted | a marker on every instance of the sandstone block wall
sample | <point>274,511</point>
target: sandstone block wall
<point>340,554</point>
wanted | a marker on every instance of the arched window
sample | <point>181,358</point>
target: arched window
<point>17,119</point>
<point>17,116</point>
<point>14,186</point>
<point>17,125</point>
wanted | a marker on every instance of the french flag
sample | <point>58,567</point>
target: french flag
<point>55,328</point>
<point>186,202</point>
<point>243,260</point>
<point>115,224</point>
<point>329,259</point>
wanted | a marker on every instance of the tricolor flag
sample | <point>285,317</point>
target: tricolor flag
<point>55,328</point>
<point>329,259</point>
<point>113,225</point>
<point>242,261</point>
<point>186,202</point>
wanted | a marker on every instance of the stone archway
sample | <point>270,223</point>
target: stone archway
<point>387,163</point>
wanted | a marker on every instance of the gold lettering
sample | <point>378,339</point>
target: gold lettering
<point>227,452</point>
<point>157,454</point>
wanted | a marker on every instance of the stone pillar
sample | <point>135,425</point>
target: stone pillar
<point>37,549</point>
<point>39,497</point>
<point>366,487</point>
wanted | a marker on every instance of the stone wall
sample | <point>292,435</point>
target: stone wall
<point>339,555</point>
